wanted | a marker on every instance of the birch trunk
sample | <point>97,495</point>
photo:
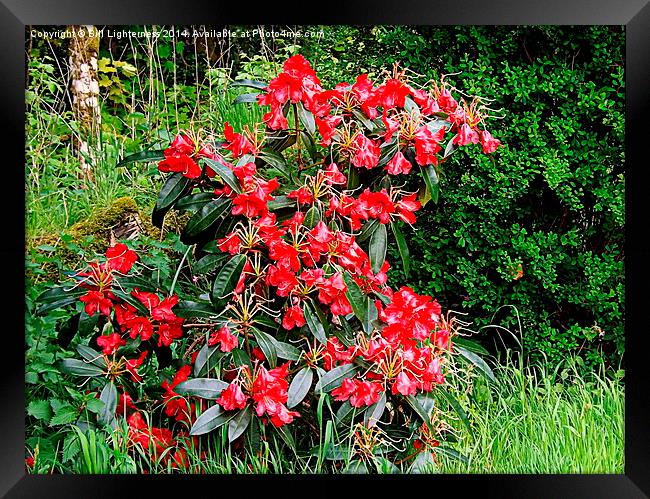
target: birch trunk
<point>84,87</point>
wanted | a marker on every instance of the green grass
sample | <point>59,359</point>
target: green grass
<point>528,421</point>
<point>545,421</point>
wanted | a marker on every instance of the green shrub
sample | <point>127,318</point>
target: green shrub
<point>552,202</point>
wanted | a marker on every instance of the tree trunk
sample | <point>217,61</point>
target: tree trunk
<point>84,87</point>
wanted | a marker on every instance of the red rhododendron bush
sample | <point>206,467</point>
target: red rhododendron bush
<point>280,324</point>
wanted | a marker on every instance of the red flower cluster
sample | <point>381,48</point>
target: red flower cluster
<point>406,355</point>
<point>182,156</point>
<point>160,320</point>
<point>266,389</point>
<point>99,277</point>
<point>176,406</point>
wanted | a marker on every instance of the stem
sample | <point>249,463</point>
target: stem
<point>178,270</point>
<point>295,117</point>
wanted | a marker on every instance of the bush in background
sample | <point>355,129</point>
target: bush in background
<point>541,229</point>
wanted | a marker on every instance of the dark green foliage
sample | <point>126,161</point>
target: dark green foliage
<point>551,200</point>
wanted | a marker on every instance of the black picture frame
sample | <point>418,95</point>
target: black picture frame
<point>633,14</point>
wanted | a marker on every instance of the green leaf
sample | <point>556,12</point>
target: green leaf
<point>91,355</point>
<point>109,397</point>
<point>260,85</point>
<point>471,345</point>
<point>194,202</point>
<point>203,219</point>
<point>225,173</point>
<point>308,141</point>
<point>246,98</point>
<point>174,187</point>
<point>423,463</point>
<point>40,409</point>
<point>300,386</point>
<point>286,435</point>
<point>353,178</point>
<point>477,361</point>
<point>411,107</point>
<point>357,467</point>
<point>286,351</point>
<point>422,405</point>
<point>206,388</point>
<point>451,147</point>
<point>267,343</point>
<point>453,402</point>
<point>358,300</point>
<point>344,411</point>
<point>211,419</point>
<point>192,309</point>
<point>80,368</point>
<point>333,379</point>
<point>280,202</point>
<point>307,119</point>
<point>402,248</point>
<point>312,217</point>
<point>368,230</point>
<point>240,358</point>
<point>209,263</point>
<point>87,323</point>
<point>227,278</point>
<point>314,324</point>
<point>363,119</point>
<point>142,156</point>
<point>431,180</point>
<point>64,414</point>
<point>275,160</point>
<point>58,297</point>
<point>206,359</point>
<point>375,411</point>
<point>239,423</point>
<point>377,248</point>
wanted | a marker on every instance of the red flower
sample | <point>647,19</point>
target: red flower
<point>489,143</point>
<point>293,317</point>
<point>175,406</point>
<point>391,94</point>
<point>286,256</point>
<point>224,338</point>
<point>427,145</point>
<point>404,384</point>
<point>407,206</point>
<point>334,176</point>
<point>110,343</point>
<point>96,302</point>
<point>366,152</point>
<point>427,104</point>
<point>466,135</point>
<point>283,278</point>
<point>121,258</point>
<point>359,393</point>
<point>269,392</point>
<point>163,311</point>
<point>398,164</point>
<point>237,143</point>
<point>302,195</point>
<point>149,300</point>
<point>133,364</point>
<point>231,243</point>
<point>140,326</point>
<point>169,331</point>
<point>332,292</point>
<point>232,398</point>
<point>29,462</point>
